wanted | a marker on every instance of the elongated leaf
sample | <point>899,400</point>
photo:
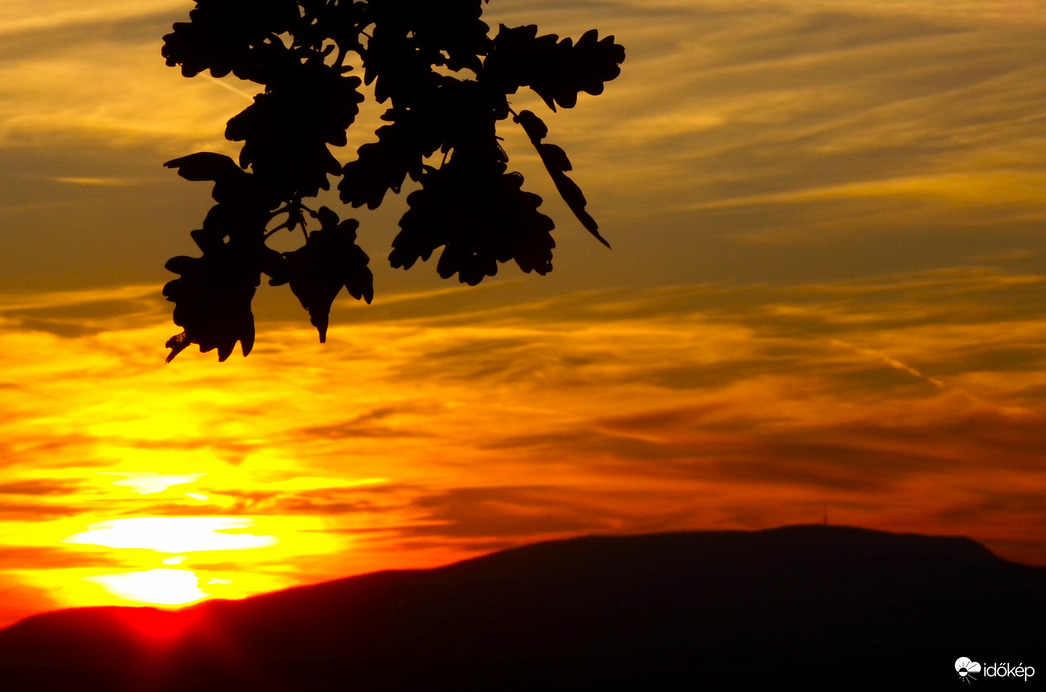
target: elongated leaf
<point>557,164</point>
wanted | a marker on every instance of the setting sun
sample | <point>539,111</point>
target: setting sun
<point>174,534</point>
<point>150,483</point>
<point>156,586</point>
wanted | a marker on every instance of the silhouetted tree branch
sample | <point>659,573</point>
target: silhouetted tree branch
<point>446,83</point>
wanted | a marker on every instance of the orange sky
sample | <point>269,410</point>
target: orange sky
<point>826,293</point>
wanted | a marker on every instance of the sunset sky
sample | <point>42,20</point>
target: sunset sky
<point>826,294</point>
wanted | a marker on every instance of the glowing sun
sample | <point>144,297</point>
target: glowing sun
<point>157,586</point>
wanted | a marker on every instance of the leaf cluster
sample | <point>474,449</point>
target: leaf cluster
<point>445,83</point>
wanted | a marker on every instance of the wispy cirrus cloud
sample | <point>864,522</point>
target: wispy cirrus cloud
<point>20,16</point>
<point>895,401</point>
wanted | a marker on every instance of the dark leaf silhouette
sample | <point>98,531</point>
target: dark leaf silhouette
<point>384,165</point>
<point>557,164</point>
<point>556,70</point>
<point>480,215</point>
<point>226,36</point>
<point>285,144</point>
<point>329,260</point>
<point>231,182</point>
<point>213,299</point>
<point>446,85</point>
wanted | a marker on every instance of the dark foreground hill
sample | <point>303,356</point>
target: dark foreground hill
<point>815,606</point>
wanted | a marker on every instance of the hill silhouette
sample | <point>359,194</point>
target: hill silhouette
<point>816,606</point>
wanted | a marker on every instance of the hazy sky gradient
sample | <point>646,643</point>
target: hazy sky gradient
<point>826,292</point>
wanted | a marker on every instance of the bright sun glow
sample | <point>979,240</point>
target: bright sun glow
<point>174,534</point>
<point>157,586</point>
<point>152,483</point>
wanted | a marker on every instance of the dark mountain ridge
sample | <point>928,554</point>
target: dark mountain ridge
<point>816,605</point>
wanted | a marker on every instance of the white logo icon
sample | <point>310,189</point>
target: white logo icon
<point>965,668</point>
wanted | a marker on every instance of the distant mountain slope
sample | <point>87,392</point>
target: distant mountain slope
<point>813,605</point>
